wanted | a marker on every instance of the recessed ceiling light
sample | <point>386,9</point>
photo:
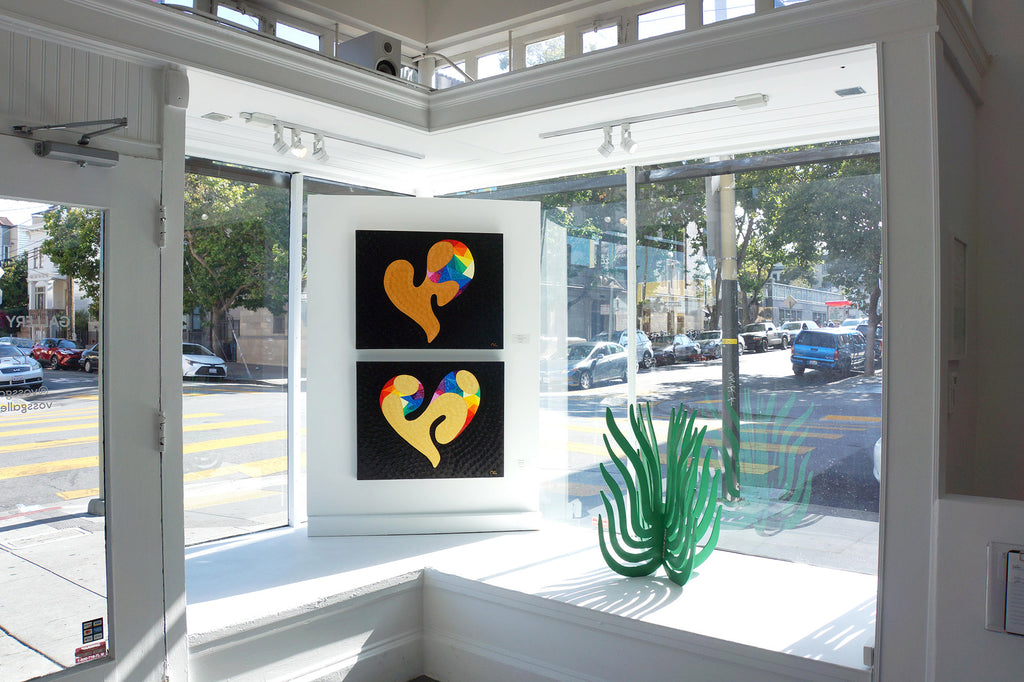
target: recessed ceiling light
<point>215,116</point>
<point>848,92</point>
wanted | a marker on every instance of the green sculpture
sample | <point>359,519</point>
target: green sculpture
<point>661,530</point>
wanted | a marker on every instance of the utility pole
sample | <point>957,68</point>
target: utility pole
<point>730,343</point>
<point>721,226</point>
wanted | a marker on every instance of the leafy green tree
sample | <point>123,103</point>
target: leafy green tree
<point>73,246</point>
<point>235,249</point>
<point>839,210</point>
<point>14,284</point>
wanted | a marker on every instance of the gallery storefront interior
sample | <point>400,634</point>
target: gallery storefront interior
<point>308,574</point>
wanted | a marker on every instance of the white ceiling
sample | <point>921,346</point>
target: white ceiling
<point>802,108</point>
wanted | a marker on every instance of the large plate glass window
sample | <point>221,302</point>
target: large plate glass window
<point>234,352</point>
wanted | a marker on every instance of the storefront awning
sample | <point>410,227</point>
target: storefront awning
<point>838,304</point>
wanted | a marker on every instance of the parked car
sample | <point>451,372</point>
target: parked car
<point>876,460</point>
<point>680,348</point>
<point>57,353</point>
<point>863,329</point>
<point>90,360</point>
<point>644,348</point>
<point>853,321</point>
<point>711,344</point>
<point>841,350</point>
<point>589,363</point>
<point>794,327</point>
<point>761,336</point>
<point>24,344</point>
<point>18,370</point>
<point>199,361</point>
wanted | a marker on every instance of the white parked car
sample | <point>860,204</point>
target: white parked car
<point>18,370</point>
<point>794,327</point>
<point>199,361</point>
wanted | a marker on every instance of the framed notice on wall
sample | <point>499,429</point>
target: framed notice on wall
<point>423,366</point>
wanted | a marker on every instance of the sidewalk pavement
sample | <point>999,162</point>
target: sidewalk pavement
<point>261,374</point>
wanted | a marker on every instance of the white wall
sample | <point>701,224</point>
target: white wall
<point>999,466</point>
<point>965,525</point>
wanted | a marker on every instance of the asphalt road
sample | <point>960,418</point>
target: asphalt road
<point>818,427</point>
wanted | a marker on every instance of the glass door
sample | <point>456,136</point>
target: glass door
<point>53,558</point>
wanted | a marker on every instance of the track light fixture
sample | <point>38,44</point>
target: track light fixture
<point>280,146</point>
<point>319,148</point>
<point>629,145</point>
<point>298,149</point>
<point>755,100</point>
<point>606,147</point>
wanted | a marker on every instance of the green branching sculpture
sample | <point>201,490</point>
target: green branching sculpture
<point>660,530</point>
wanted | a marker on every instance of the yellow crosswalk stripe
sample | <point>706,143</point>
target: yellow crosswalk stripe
<point>92,424</point>
<point>43,445</point>
<point>220,443</point>
<point>50,429</point>
<point>266,466</point>
<point>49,467</point>
<point>845,418</point>
<point>72,415</point>
<point>78,494</point>
<point>747,446</point>
<point>224,425</point>
<point>263,467</point>
<point>201,501</point>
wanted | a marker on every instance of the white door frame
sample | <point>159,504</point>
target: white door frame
<point>144,538</point>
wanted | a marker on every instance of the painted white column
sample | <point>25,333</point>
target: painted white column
<point>297,513</point>
<point>631,280</point>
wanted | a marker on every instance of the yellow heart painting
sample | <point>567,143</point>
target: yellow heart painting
<point>450,269</point>
<point>454,403</point>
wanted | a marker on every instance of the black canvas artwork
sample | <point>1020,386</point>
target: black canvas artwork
<point>430,420</point>
<point>429,289</point>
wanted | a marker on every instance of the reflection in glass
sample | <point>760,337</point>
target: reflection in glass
<point>807,236</point>
<point>492,64</point>
<point>234,353</point>
<point>240,18</point>
<point>583,299</point>
<point>447,76</point>
<point>545,51</point>
<point>52,526</point>
<point>601,38</point>
<point>719,10</point>
<point>297,36</point>
<point>662,21</point>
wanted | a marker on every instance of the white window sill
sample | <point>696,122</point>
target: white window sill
<point>748,603</point>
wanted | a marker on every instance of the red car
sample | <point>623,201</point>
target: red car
<point>56,353</point>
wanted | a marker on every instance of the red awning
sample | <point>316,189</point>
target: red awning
<point>838,304</point>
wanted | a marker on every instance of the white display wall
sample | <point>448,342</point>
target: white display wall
<point>340,503</point>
